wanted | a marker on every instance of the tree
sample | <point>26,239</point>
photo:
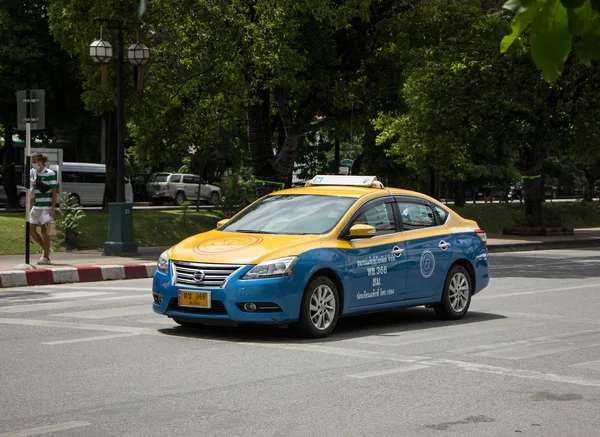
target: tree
<point>31,59</point>
<point>555,26</point>
<point>471,114</point>
<point>279,63</point>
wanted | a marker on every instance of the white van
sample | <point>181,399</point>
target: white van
<point>86,182</point>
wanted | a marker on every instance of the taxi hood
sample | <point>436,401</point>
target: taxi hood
<point>240,248</point>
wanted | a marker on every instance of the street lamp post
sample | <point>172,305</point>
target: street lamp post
<point>120,223</point>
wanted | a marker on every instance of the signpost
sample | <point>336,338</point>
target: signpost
<point>345,166</point>
<point>30,116</point>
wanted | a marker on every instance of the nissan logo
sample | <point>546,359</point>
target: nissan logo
<point>199,276</point>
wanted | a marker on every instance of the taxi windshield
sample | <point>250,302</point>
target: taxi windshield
<point>291,214</point>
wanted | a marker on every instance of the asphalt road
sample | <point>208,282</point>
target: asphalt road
<point>94,360</point>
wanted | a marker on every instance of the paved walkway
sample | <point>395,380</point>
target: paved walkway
<point>91,265</point>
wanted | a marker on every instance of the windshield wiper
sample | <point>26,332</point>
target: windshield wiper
<point>251,231</point>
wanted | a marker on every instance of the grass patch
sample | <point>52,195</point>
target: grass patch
<point>494,217</point>
<point>150,228</point>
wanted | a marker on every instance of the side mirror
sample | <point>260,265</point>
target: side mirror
<point>362,231</point>
<point>222,222</point>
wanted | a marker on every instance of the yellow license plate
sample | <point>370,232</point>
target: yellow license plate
<point>195,299</point>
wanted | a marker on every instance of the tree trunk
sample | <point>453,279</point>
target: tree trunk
<point>435,182</point>
<point>459,193</point>
<point>532,191</point>
<point>8,170</point>
<point>259,138</point>
<point>336,157</point>
<point>588,192</point>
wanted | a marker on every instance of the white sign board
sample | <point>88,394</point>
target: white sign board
<point>356,181</point>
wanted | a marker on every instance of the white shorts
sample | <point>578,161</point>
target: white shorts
<point>39,216</point>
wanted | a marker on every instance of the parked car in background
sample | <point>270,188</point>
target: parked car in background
<point>86,182</point>
<point>21,192</point>
<point>179,187</point>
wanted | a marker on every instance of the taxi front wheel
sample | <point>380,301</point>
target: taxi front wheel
<point>456,297</point>
<point>320,308</point>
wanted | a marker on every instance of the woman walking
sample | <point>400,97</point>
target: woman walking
<point>42,212</point>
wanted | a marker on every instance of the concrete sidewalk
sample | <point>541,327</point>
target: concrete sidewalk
<point>91,265</point>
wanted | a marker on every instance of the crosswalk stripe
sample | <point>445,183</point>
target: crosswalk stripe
<point>49,306</point>
<point>408,367</point>
<point>86,339</point>
<point>110,312</point>
<point>56,296</point>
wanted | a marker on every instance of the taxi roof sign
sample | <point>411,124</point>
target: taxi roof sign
<point>351,181</point>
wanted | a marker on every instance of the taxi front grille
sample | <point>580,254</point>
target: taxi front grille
<point>203,275</point>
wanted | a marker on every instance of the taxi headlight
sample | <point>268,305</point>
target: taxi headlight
<point>272,269</point>
<point>163,262</point>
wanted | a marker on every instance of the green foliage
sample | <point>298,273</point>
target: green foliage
<point>554,25</point>
<point>184,208</point>
<point>238,192</point>
<point>69,218</point>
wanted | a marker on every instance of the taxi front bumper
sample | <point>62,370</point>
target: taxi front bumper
<point>277,300</point>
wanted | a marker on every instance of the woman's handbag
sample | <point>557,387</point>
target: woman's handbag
<point>51,228</point>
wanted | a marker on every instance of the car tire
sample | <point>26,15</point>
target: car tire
<point>214,198</point>
<point>456,296</point>
<point>23,201</point>
<point>156,202</point>
<point>320,308</point>
<point>74,199</point>
<point>179,198</point>
<point>187,324</point>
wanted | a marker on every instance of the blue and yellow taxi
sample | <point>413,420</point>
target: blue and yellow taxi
<point>305,257</point>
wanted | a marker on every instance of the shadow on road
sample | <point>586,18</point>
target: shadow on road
<point>389,323</point>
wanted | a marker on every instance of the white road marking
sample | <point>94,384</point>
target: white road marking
<point>409,367</point>
<point>536,348</point>
<point>82,340</point>
<point>548,290</point>
<point>57,296</point>
<point>517,373</point>
<point>582,338</point>
<point>400,338</point>
<point>594,365</point>
<point>45,429</point>
<point>342,351</point>
<point>79,286</point>
<point>82,326</point>
<point>110,312</point>
<point>49,306</point>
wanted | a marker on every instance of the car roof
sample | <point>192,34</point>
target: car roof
<point>350,191</point>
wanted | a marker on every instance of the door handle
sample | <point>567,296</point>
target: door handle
<point>397,251</point>
<point>443,245</point>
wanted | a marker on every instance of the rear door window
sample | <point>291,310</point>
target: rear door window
<point>415,215</point>
<point>176,178</point>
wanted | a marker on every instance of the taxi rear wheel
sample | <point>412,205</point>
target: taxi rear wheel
<point>456,296</point>
<point>320,308</point>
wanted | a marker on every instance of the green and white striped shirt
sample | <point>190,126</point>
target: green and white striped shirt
<point>44,200</point>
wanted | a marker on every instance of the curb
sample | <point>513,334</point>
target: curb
<point>76,274</point>
<point>546,245</point>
